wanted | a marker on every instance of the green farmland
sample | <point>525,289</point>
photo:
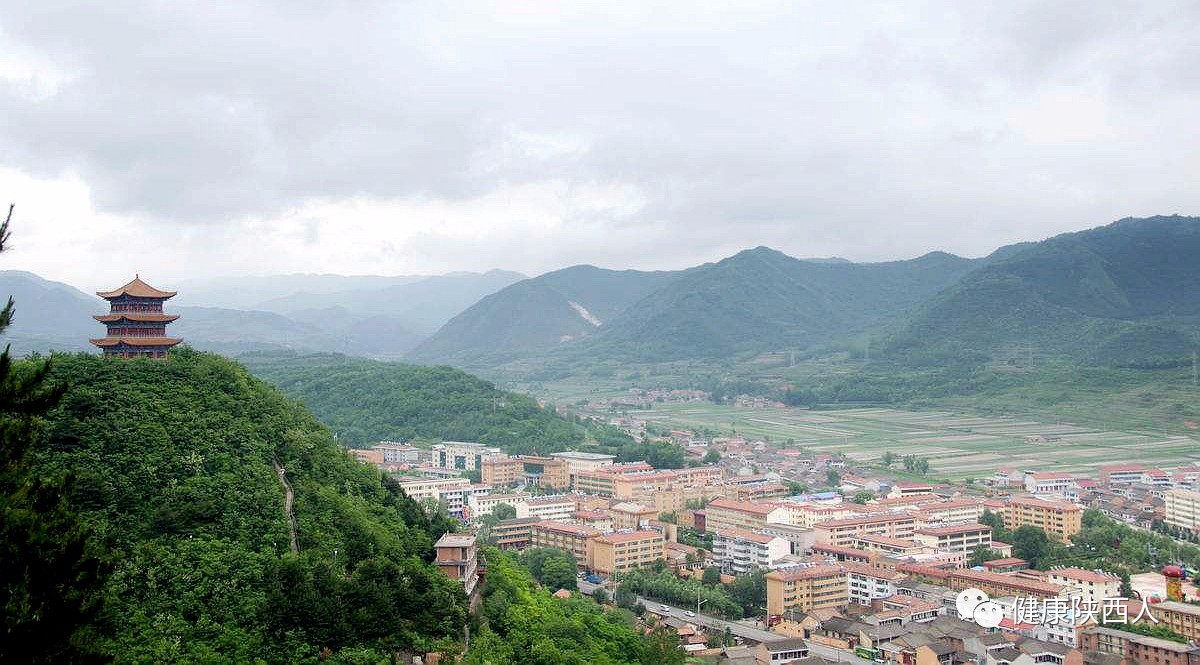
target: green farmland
<point>958,446</point>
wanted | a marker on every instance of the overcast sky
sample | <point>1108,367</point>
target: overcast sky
<point>183,139</point>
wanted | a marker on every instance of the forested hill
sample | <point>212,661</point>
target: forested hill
<point>173,465</point>
<point>1124,294</point>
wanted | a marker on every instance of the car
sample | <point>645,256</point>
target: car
<point>690,613</point>
<point>664,608</point>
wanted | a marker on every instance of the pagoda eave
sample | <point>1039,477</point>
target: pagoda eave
<point>135,317</point>
<point>105,342</point>
<point>137,289</point>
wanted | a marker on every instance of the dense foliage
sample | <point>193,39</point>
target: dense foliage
<point>365,401</point>
<point>668,588</point>
<point>525,624</point>
<point>174,462</point>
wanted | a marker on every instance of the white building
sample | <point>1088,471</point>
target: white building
<point>1183,509</point>
<point>867,584</point>
<point>481,505</point>
<point>454,492</point>
<point>556,508</point>
<point>461,455</point>
<point>738,551</point>
<point>955,539</point>
<point>395,452</point>
<point>1048,483</point>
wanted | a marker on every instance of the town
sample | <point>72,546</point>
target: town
<point>849,563</point>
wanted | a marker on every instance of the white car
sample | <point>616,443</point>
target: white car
<point>690,613</point>
<point>664,608</point>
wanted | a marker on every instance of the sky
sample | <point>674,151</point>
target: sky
<point>184,140</point>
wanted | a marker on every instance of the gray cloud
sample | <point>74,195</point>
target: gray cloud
<point>866,130</point>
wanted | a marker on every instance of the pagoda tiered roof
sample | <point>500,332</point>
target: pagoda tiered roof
<point>136,341</point>
<point>136,288</point>
<point>142,317</point>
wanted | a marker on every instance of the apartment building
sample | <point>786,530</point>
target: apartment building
<point>629,515</point>
<point>1182,508</point>
<point>738,551</point>
<point>757,491</point>
<point>457,558</point>
<point>1048,483</point>
<point>577,462</point>
<point>808,514</point>
<point>724,513</point>
<point>806,589</point>
<point>572,538</point>
<point>501,471</point>
<point>885,546</point>
<point>454,492</point>
<point>462,455</point>
<point>866,584</point>
<point>1121,474</point>
<point>558,507</point>
<point>799,538</point>
<point>1059,519</point>
<point>997,584</point>
<point>956,510</point>
<point>1134,648</point>
<point>1093,585</point>
<point>697,476</point>
<point>481,505</point>
<point>1183,618</point>
<point>514,534</point>
<point>622,551</point>
<point>395,452</point>
<point>600,480</point>
<point>845,531</point>
<point>955,539</point>
<point>900,490</point>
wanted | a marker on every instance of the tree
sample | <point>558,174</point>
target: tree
<point>889,458</point>
<point>1030,543</point>
<point>712,456</point>
<point>600,595</point>
<point>625,596</point>
<point>996,521</point>
<point>49,576</point>
<point>503,511</point>
<point>557,573</point>
<point>981,555</point>
<point>795,487</point>
<point>750,592</point>
<point>712,576</point>
<point>833,478</point>
<point>862,496</point>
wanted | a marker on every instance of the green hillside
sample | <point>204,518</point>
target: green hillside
<point>173,466</point>
<point>762,299</point>
<point>1122,294</point>
<point>538,314</point>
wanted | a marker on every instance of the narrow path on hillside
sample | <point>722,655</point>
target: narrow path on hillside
<point>288,498</point>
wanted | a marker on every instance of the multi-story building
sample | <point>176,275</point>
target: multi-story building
<point>799,538</point>
<point>738,551</point>
<point>481,505</point>
<point>806,589</point>
<point>461,455</point>
<point>600,480</point>
<point>808,514</point>
<point>577,461</point>
<point>1134,648</point>
<point>555,507</point>
<point>501,470</point>
<point>572,538</point>
<point>1048,482</point>
<point>955,539</point>
<point>757,491</point>
<point>454,492</point>
<point>1089,585</point>
<point>514,534</point>
<point>867,584</point>
<point>845,531</point>
<point>1059,519</point>
<point>395,452</point>
<point>1183,618</point>
<point>619,552</point>
<point>1182,509</point>
<point>956,510</point>
<point>997,584</point>
<point>456,557</point>
<point>888,546</point>
<point>629,515</point>
<point>1121,474</point>
<point>910,489</point>
<point>725,513</point>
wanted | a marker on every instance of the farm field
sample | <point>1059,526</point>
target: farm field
<point>958,446</point>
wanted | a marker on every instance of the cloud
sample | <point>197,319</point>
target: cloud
<point>382,136</point>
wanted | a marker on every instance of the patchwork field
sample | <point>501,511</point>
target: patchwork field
<point>957,446</point>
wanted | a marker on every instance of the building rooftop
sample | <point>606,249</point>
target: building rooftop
<point>1035,502</point>
<point>1083,575</point>
<point>589,457</point>
<point>806,573</point>
<point>456,540</point>
<point>953,529</point>
<point>629,536</point>
<point>136,288</point>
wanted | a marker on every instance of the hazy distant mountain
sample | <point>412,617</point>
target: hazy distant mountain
<point>537,314</point>
<point>49,315</point>
<point>1126,293</point>
<point>249,292</point>
<point>420,306</point>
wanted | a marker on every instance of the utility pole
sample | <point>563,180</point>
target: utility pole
<point>698,601</point>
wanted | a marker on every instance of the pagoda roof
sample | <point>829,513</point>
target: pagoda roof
<point>142,317</point>
<point>136,288</point>
<point>136,341</point>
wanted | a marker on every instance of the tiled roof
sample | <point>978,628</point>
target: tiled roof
<point>141,317</point>
<point>136,288</point>
<point>136,341</point>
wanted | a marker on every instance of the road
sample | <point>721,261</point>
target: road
<point>742,630</point>
<point>833,654</point>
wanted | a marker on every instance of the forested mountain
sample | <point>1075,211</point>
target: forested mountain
<point>538,314</point>
<point>172,464</point>
<point>762,299</point>
<point>1122,294</point>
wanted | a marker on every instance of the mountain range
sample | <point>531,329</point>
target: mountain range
<point>1122,294</point>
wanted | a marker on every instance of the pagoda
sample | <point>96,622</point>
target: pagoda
<point>137,326</point>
